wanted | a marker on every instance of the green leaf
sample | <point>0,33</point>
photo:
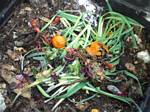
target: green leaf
<point>71,29</point>
<point>36,54</point>
<point>74,67</point>
<point>68,16</point>
<point>73,89</point>
<point>100,26</point>
<point>87,37</point>
<point>134,77</point>
<point>98,90</point>
<point>124,99</point>
<point>42,91</point>
<point>108,4</point>
<point>48,23</point>
<point>39,58</point>
<point>74,43</point>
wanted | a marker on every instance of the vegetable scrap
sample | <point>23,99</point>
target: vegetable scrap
<point>114,89</point>
<point>34,25</point>
<point>56,20</point>
<point>80,57</point>
<point>34,22</point>
<point>95,110</point>
<point>58,41</point>
<point>36,29</point>
<point>97,49</point>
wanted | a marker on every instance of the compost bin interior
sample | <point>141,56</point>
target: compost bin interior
<point>12,47</point>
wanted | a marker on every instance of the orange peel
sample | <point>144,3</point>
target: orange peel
<point>58,41</point>
<point>94,49</point>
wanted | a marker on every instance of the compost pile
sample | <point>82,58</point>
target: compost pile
<point>62,62</point>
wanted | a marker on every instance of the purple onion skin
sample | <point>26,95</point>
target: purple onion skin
<point>87,71</point>
<point>69,59</point>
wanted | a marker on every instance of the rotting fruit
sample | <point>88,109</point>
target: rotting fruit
<point>97,49</point>
<point>58,41</point>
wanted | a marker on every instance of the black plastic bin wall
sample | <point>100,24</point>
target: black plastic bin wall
<point>6,8</point>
